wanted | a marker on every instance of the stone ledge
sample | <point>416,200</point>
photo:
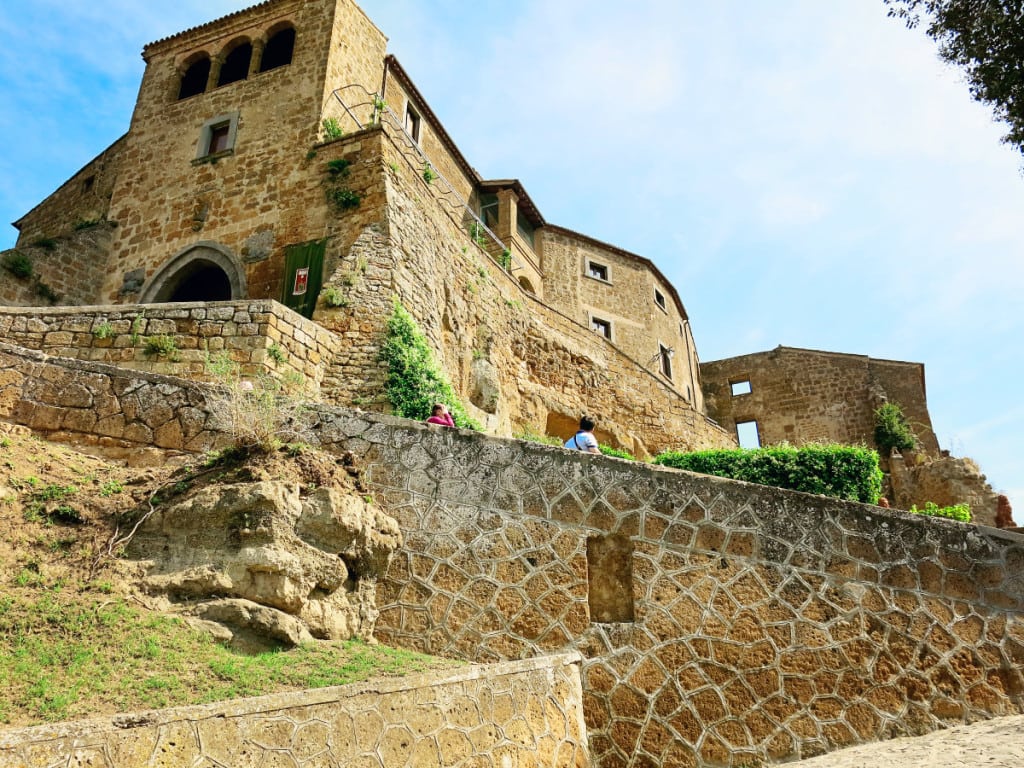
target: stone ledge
<point>327,722</point>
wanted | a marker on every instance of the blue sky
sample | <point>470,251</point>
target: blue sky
<point>806,173</point>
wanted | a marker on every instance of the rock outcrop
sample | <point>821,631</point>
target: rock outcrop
<point>269,562</point>
<point>947,480</point>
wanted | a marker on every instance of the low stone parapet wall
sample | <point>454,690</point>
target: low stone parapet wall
<point>262,337</point>
<point>523,713</point>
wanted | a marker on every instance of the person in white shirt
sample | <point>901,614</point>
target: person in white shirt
<point>584,440</point>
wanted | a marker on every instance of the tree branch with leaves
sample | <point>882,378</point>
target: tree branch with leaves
<point>985,38</point>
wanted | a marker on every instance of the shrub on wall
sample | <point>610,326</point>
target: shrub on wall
<point>961,512</point>
<point>337,191</point>
<point>414,380</point>
<point>332,129</point>
<point>841,471</point>
<point>18,264</point>
<point>618,453</point>
<point>892,429</point>
<point>260,413</point>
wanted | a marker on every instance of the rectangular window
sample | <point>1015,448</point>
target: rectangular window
<point>597,271</point>
<point>217,137</point>
<point>604,327</point>
<point>740,387</point>
<point>412,123</point>
<point>87,183</point>
<point>746,433</point>
<point>525,228</point>
<point>666,360</point>
<point>659,299</point>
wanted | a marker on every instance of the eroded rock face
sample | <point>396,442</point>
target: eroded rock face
<point>947,480</point>
<point>264,561</point>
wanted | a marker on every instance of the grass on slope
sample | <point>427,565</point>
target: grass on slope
<point>74,643</point>
<point>65,656</point>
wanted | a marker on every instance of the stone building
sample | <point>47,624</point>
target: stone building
<point>805,395</point>
<point>279,151</point>
<point>801,396</point>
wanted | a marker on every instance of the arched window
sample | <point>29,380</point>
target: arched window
<point>236,64</point>
<point>193,82</point>
<point>278,50</point>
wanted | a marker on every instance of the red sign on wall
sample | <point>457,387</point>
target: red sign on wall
<point>301,281</point>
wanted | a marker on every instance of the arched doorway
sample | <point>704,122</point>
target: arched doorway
<point>202,272</point>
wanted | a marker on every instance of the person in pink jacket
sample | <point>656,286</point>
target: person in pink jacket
<point>439,415</point>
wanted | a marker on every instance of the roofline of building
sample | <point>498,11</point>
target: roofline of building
<point>17,224</point>
<point>266,3</point>
<point>391,64</point>
<point>204,25</point>
<point>525,201</point>
<point>651,266</point>
<point>783,347</point>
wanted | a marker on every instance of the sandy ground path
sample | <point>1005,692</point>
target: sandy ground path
<point>997,743</point>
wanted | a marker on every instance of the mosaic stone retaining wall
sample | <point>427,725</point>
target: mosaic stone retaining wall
<point>721,623</point>
<point>527,713</point>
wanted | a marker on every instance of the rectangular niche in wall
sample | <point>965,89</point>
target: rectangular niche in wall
<point>610,577</point>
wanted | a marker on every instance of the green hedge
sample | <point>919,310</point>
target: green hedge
<point>415,381</point>
<point>841,471</point>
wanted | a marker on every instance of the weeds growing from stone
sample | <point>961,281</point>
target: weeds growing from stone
<point>258,412</point>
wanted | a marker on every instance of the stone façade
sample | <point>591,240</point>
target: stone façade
<point>187,217</point>
<point>805,395</point>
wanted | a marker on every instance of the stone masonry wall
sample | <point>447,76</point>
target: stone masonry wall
<point>260,336</point>
<point>526,713</point>
<point>626,300</point>
<point>721,622</point>
<point>266,194</point>
<point>519,362</point>
<point>66,270</point>
<point>802,395</point>
<point>99,405</point>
